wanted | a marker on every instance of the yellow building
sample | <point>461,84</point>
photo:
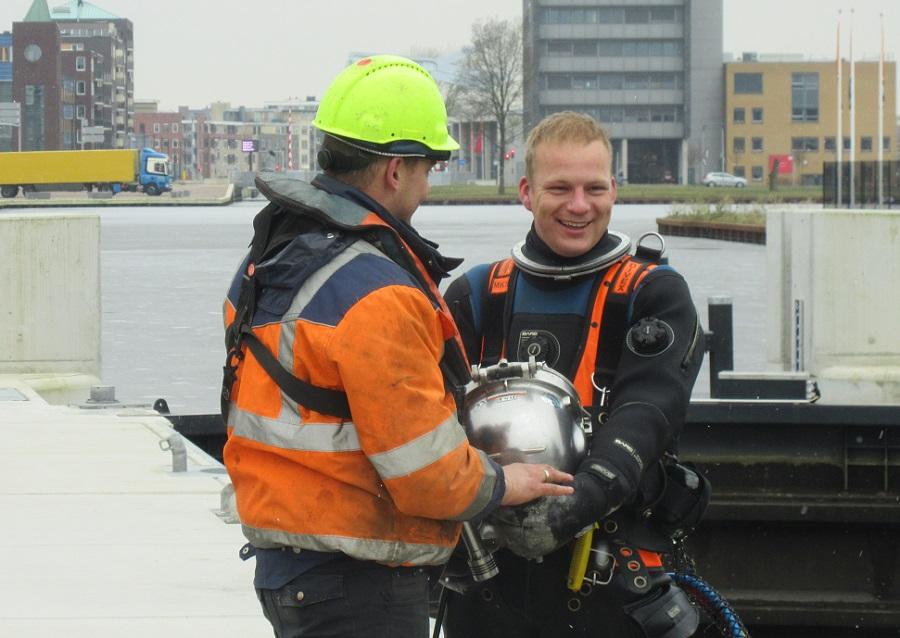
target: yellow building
<point>787,111</point>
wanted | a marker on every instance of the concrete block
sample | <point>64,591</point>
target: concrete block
<point>100,195</point>
<point>37,195</point>
<point>50,284</point>
<point>833,300</point>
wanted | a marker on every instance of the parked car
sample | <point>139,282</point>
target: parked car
<point>723,179</point>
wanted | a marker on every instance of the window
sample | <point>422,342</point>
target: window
<point>142,128</point>
<point>559,81</point>
<point>79,111</point>
<point>175,127</point>
<point>68,111</point>
<point>739,116</point>
<point>846,143</point>
<point>757,144</point>
<point>748,83</point>
<point>80,88</point>
<point>865,143</point>
<point>802,144</point>
<point>757,115</point>
<point>738,145</point>
<point>830,146</point>
<point>805,97</point>
<point>886,143</point>
<point>156,127</point>
<point>739,171</point>
<point>80,63</point>
<point>584,81</point>
<point>757,173</point>
<point>586,48</point>
<point>637,15</point>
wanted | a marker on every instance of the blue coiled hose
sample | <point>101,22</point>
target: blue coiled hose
<point>702,593</point>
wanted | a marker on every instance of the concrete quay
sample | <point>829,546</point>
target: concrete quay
<point>103,538</point>
<point>182,194</point>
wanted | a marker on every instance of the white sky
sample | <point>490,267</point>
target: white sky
<point>193,52</point>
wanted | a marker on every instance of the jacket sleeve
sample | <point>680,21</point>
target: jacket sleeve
<point>387,349</point>
<point>651,392</point>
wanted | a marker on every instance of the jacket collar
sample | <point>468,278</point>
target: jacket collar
<point>438,266</point>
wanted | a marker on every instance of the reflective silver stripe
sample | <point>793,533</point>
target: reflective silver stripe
<point>319,278</point>
<point>384,551</point>
<point>485,490</point>
<point>311,286</point>
<point>421,451</point>
<point>307,437</point>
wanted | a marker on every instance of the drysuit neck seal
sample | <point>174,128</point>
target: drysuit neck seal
<point>534,257</point>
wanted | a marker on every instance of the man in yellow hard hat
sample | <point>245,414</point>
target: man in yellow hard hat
<point>350,469</point>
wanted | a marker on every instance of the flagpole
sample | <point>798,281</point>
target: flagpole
<point>852,119</point>
<point>290,132</point>
<point>840,118</point>
<point>881,119</point>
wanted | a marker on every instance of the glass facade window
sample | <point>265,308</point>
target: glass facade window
<point>865,143</point>
<point>830,145</point>
<point>738,145</point>
<point>611,81</point>
<point>802,144</point>
<point>757,143</point>
<point>80,87</point>
<point>846,143</point>
<point>748,83</point>
<point>805,97</point>
<point>739,116</point>
<point>611,15</point>
<point>585,48</point>
<point>886,143</point>
<point>757,173</point>
<point>80,64</point>
<point>630,114</point>
<point>33,118</point>
<point>757,114</point>
<point>614,48</point>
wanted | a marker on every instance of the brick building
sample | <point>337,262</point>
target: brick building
<point>786,108</point>
<point>73,68</point>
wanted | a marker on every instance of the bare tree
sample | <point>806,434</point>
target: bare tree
<point>489,83</point>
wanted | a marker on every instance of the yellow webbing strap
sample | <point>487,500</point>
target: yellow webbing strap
<point>580,555</point>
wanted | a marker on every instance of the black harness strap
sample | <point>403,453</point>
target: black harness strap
<point>321,400</point>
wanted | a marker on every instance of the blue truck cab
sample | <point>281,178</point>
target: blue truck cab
<point>154,174</point>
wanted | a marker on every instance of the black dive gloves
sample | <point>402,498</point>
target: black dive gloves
<point>538,528</point>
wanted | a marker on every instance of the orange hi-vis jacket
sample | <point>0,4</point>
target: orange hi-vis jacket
<point>392,484</point>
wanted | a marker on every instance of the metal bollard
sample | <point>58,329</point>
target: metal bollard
<point>175,443</point>
<point>720,340</point>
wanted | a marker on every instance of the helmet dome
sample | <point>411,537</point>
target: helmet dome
<point>389,103</point>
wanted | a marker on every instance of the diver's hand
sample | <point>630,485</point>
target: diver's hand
<point>526,482</point>
<point>540,527</point>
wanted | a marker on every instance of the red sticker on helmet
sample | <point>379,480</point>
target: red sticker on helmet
<point>364,62</point>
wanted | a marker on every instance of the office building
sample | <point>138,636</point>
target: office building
<point>784,109</point>
<point>649,70</point>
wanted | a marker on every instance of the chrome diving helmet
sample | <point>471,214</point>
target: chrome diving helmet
<point>525,412</point>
